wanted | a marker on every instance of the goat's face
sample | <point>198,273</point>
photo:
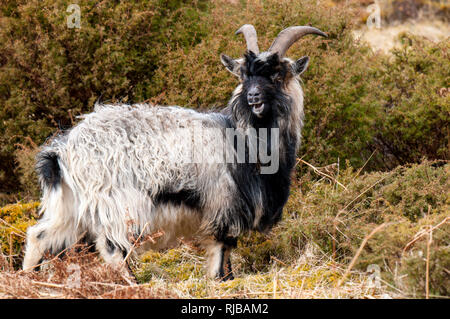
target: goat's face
<point>263,78</point>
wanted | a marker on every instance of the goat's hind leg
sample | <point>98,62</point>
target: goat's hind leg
<point>111,253</point>
<point>55,231</point>
<point>35,247</point>
<point>46,236</point>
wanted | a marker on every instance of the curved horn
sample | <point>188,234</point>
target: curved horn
<point>249,33</point>
<point>289,36</point>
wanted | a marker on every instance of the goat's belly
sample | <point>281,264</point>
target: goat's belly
<point>171,223</point>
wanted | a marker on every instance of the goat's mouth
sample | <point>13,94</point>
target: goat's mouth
<point>257,108</point>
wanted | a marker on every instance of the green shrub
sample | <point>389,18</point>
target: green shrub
<point>414,119</point>
<point>25,161</point>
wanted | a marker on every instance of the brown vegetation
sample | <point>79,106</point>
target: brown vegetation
<point>79,274</point>
<point>325,246</point>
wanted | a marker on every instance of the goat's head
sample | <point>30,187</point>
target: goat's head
<point>265,75</point>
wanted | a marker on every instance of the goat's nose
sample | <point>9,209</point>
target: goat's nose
<point>254,96</point>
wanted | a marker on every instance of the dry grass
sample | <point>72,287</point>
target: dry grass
<point>312,275</point>
<point>179,273</point>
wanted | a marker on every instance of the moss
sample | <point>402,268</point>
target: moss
<point>15,219</point>
<point>171,265</point>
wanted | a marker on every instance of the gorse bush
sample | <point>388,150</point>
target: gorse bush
<point>414,120</point>
<point>357,103</point>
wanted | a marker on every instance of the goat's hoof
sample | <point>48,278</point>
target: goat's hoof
<point>227,277</point>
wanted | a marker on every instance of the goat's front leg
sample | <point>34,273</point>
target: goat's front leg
<point>219,262</point>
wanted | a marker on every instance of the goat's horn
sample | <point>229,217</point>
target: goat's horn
<point>249,33</point>
<point>289,36</point>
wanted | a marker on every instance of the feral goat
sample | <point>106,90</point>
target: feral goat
<point>128,171</point>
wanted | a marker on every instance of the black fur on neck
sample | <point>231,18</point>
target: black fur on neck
<point>256,191</point>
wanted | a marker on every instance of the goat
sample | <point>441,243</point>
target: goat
<point>128,169</point>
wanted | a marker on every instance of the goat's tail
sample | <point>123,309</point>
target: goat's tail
<point>57,229</point>
<point>48,169</point>
<point>58,195</point>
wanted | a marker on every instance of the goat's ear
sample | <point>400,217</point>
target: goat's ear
<point>231,64</point>
<point>300,65</point>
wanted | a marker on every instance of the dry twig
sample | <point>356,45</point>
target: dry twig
<point>355,258</point>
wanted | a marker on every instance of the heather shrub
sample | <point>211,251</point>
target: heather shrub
<point>409,199</point>
<point>414,119</point>
<point>25,167</point>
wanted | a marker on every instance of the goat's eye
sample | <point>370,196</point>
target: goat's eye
<point>245,77</point>
<point>275,77</point>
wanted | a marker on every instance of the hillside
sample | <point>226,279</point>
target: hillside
<point>368,214</point>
